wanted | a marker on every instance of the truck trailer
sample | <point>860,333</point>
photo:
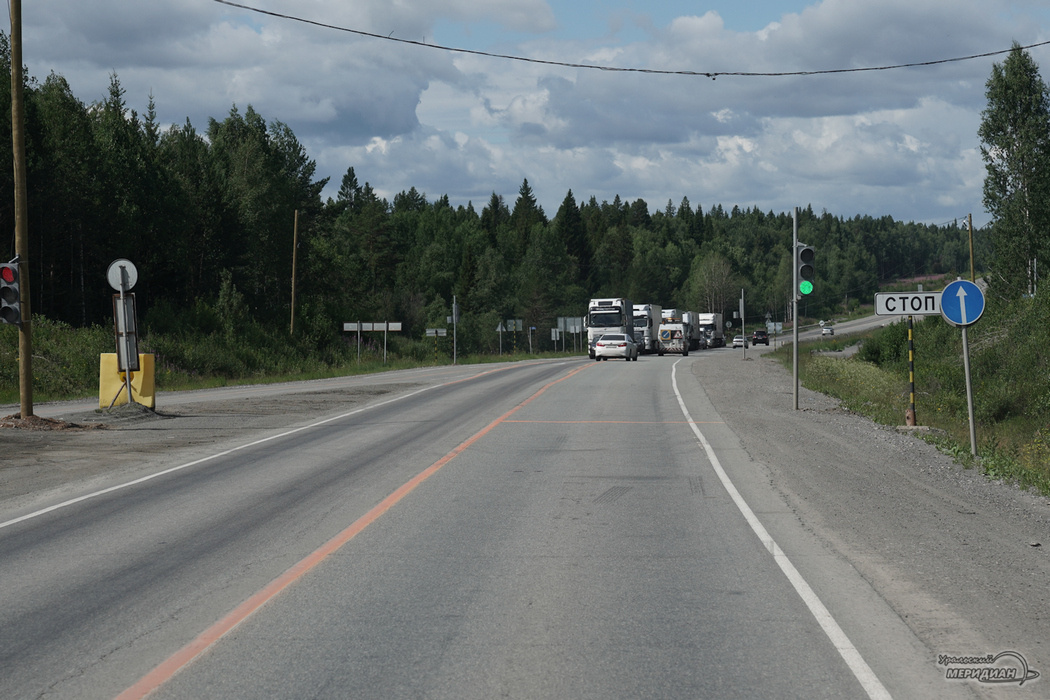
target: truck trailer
<point>647,320</point>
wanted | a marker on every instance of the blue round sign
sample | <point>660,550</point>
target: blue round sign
<point>962,303</point>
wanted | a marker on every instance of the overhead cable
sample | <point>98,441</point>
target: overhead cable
<point>588,66</point>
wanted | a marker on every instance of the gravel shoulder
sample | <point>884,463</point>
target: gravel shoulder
<point>963,560</point>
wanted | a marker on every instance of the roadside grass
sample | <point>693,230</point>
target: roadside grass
<point>1009,373</point>
<point>66,359</point>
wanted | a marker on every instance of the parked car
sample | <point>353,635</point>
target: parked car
<point>615,345</point>
<point>739,342</point>
<point>827,330</point>
<point>760,337</point>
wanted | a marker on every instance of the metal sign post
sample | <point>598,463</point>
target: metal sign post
<point>122,276</point>
<point>962,304</point>
<point>386,327</point>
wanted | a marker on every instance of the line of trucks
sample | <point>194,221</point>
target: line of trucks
<point>654,329</point>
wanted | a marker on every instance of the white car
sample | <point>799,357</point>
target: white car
<point>827,330</point>
<point>739,342</point>
<point>615,345</point>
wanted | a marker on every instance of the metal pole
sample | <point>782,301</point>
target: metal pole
<point>911,419</point>
<point>743,327</point>
<point>127,338</point>
<point>794,303</point>
<point>969,391</point>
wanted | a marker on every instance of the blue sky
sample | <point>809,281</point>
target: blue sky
<point>901,143</point>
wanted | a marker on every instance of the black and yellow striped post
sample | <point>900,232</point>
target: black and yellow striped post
<point>909,417</point>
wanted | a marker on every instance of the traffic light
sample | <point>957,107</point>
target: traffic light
<point>804,256</point>
<point>10,297</point>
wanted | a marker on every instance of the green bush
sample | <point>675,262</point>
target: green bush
<point>65,361</point>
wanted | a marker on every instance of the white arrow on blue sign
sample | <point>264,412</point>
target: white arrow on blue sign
<point>962,303</point>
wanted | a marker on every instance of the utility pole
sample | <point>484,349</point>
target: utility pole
<point>25,334</point>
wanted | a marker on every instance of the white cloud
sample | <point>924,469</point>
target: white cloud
<point>899,142</point>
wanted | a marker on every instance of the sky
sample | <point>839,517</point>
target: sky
<point>672,123</point>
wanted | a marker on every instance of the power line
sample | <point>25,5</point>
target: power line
<point>589,66</point>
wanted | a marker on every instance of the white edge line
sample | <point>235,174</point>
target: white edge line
<point>867,678</point>
<point>135,482</point>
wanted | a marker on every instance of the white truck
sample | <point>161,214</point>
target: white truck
<point>647,326</point>
<point>697,338</point>
<point>608,316</point>
<point>675,333</point>
<point>711,326</point>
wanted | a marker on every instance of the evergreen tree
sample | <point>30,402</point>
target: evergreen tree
<point>526,214</point>
<point>570,230</point>
<point>1015,144</point>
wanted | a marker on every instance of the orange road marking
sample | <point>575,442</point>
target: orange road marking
<point>618,422</point>
<point>187,654</point>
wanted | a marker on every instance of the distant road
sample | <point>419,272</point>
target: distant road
<point>857,325</point>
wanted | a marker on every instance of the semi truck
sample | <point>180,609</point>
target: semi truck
<point>697,339</point>
<point>647,318</point>
<point>711,326</point>
<point>608,316</point>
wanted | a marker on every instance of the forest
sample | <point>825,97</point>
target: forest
<point>211,220</point>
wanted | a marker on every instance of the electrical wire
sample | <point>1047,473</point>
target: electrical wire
<point>588,66</point>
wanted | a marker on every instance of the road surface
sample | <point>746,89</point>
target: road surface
<point>660,528</point>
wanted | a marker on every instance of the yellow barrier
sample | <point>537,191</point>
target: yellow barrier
<point>111,387</point>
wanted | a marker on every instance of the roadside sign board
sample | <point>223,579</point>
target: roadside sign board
<point>124,326</point>
<point>962,303</point>
<point>907,303</point>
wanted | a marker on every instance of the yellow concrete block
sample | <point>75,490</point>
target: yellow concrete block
<point>111,387</point>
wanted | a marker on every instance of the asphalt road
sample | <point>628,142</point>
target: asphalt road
<point>540,530</point>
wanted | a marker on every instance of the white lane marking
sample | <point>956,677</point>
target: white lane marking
<point>867,678</point>
<point>135,482</point>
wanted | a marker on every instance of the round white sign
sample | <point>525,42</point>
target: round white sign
<point>113,274</point>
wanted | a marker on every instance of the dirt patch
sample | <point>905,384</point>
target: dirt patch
<point>37,423</point>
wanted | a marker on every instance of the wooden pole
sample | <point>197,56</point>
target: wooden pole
<point>973,273</point>
<point>25,335</point>
<point>295,255</point>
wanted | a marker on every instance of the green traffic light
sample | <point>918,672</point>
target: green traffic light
<point>805,287</point>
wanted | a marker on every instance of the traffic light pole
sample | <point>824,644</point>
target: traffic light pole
<point>794,303</point>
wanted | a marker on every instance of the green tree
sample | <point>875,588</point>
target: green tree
<point>67,179</point>
<point>526,214</point>
<point>712,285</point>
<point>1015,144</point>
<point>570,229</point>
